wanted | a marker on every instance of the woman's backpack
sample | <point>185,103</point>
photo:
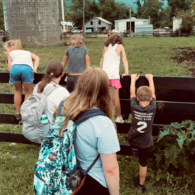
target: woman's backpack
<point>57,171</point>
<point>31,111</point>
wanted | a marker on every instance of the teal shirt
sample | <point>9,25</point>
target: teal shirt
<point>95,136</point>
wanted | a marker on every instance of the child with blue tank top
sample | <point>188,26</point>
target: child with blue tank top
<point>110,63</point>
<point>78,60</point>
<point>20,65</point>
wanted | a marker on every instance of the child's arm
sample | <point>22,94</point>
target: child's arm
<point>102,58</point>
<point>36,63</point>
<point>125,62</point>
<point>64,60</point>
<point>9,61</point>
<point>87,61</point>
<point>134,78</point>
<point>149,77</point>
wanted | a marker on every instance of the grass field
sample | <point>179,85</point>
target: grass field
<point>145,55</point>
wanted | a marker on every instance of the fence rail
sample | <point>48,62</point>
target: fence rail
<point>175,95</point>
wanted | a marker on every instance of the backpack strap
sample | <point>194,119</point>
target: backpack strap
<point>60,106</point>
<point>50,89</point>
<point>93,163</point>
<point>83,117</point>
<point>88,114</point>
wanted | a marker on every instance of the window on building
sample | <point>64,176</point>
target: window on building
<point>91,22</point>
<point>99,22</point>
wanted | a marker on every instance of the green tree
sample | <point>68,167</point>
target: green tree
<point>165,17</point>
<point>75,13</point>
<point>1,16</point>
<point>179,5</point>
<point>139,9</point>
<point>152,9</point>
<point>187,21</point>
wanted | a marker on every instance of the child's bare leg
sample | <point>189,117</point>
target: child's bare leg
<point>18,96</point>
<point>116,101</point>
<point>142,174</point>
<point>28,90</point>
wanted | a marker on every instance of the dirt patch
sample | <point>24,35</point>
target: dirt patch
<point>184,48</point>
<point>186,56</point>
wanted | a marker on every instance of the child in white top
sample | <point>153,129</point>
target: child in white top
<point>110,63</point>
<point>21,70</point>
<point>54,73</point>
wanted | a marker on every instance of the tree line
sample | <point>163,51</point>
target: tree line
<point>111,10</point>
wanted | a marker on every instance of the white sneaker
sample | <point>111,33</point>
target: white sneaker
<point>119,119</point>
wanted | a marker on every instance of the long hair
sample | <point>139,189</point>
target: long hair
<point>114,39</point>
<point>13,44</point>
<point>92,90</point>
<point>54,70</point>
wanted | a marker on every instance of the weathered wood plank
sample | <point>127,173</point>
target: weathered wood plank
<point>19,138</point>
<point>167,112</point>
<point>8,119</point>
<point>4,78</point>
<point>8,98</point>
<point>179,89</point>
<point>15,138</point>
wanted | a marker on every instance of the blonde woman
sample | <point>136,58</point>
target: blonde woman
<point>21,70</point>
<point>96,135</point>
<point>78,59</point>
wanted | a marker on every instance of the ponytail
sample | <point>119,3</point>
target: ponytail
<point>54,70</point>
<point>46,80</point>
<point>13,44</point>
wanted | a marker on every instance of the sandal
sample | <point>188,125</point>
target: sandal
<point>18,117</point>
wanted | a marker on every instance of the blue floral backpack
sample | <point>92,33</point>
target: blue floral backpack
<point>57,171</point>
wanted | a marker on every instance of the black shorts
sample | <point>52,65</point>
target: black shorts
<point>71,82</point>
<point>142,155</point>
<point>92,187</point>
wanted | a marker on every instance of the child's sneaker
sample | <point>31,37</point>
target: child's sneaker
<point>141,189</point>
<point>119,119</point>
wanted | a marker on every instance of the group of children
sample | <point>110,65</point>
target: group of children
<point>143,105</point>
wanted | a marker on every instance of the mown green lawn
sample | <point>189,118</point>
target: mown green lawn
<point>145,55</point>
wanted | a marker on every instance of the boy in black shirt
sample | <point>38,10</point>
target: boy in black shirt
<point>143,109</point>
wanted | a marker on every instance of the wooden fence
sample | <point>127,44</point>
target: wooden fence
<point>175,103</point>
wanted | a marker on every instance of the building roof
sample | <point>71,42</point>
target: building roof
<point>103,20</point>
<point>132,19</point>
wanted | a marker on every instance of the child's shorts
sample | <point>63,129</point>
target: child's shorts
<point>22,73</point>
<point>142,155</point>
<point>115,83</point>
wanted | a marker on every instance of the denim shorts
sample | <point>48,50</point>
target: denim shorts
<point>22,73</point>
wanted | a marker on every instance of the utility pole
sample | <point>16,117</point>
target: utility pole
<point>130,17</point>
<point>63,22</point>
<point>83,17</point>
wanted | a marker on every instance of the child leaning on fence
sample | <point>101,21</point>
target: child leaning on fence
<point>20,65</point>
<point>110,63</point>
<point>143,108</point>
<point>53,75</point>
<point>78,59</point>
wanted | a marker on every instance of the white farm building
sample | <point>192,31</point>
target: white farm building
<point>137,25</point>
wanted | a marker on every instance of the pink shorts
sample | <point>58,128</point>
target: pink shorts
<point>115,83</point>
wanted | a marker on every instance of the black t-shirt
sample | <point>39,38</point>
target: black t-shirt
<point>140,133</point>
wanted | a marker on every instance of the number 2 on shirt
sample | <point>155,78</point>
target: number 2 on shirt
<point>142,125</point>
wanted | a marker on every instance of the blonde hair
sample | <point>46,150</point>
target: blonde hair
<point>144,93</point>
<point>13,44</point>
<point>77,40</point>
<point>92,90</point>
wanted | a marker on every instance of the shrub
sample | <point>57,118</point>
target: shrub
<point>174,151</point>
